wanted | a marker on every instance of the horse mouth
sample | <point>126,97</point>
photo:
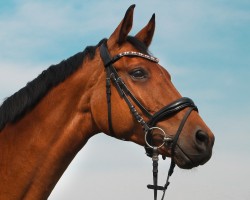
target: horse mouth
<point>187,161</point>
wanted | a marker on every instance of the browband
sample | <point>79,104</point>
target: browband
<point>132,54</point>
<point>109,61</point>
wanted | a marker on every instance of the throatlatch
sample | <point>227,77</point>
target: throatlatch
<point>150,126</point>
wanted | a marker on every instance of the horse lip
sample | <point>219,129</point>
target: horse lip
<point>186,161</point>
<point>183,160</point>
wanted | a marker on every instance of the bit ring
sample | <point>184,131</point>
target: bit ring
<point>151,129</point>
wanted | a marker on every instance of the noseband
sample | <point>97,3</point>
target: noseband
<point>150,126</point>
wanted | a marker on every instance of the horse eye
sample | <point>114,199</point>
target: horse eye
<point>138,74</point>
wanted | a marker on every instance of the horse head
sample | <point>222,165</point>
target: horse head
<point>147,86</point>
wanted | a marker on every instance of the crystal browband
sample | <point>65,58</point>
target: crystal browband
<point>132,54</point>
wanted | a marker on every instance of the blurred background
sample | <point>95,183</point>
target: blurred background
<point>204,45</point>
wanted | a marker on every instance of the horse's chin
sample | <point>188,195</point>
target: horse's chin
<point>180,158</point>
<point>183,161</point>
<point>186,161</point>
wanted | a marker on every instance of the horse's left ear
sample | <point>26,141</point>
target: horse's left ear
<point>121,32</point>
<point>147,33</point>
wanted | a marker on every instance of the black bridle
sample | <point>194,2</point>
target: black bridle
<point>150,126</point>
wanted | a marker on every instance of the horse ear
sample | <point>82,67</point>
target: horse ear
<point>147,33</point>
<point>121,32</point>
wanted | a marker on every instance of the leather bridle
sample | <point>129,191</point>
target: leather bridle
<point>150,126</point>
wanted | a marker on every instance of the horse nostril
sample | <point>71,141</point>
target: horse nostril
<point>201,137</point>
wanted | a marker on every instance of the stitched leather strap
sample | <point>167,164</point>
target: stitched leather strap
<point>171,109</point>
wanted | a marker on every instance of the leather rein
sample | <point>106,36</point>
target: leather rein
<point>148,127</point>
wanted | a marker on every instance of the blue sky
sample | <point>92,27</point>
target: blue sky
<point>203,44</point>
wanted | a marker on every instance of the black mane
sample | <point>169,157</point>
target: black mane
<point>15,106</point>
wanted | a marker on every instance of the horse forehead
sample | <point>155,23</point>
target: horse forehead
<point>127,46</point>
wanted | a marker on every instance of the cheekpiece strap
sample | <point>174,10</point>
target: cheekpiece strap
<point>105,54</point>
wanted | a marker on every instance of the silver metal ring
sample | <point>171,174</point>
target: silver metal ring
<point>163,141</point>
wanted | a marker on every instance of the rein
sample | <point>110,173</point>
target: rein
<point>150,126</point>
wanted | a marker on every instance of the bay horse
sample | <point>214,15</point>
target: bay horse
<point>46,123</point>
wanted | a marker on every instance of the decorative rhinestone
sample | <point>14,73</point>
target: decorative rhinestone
<point>139,54</point>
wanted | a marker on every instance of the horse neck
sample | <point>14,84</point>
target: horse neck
<point>36,150</point>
